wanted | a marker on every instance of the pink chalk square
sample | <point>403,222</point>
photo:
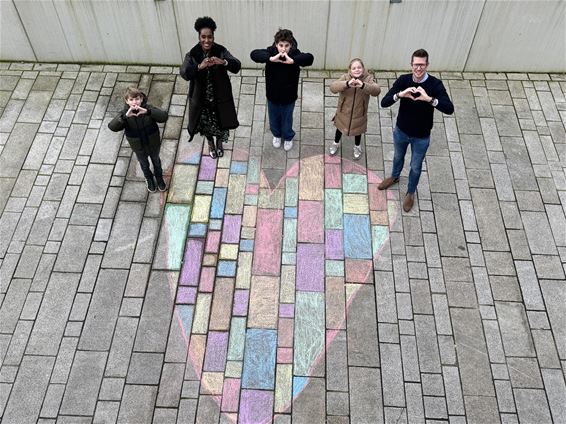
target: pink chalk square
<point>186,295</point>
<point>332,175</point>
<point>373,178</point>
<point>349,167</point>
<point>241,299</point>
<point>252,188</point>
<point>240,155</point>
<point>311,222</point>
<point>230,394</point>
<point>284,355</point>
<point>285,332</point>
<point>287,310</point>
<point>359,271</point>
<point>212,242</point>
<point>267,244</point>
<point>377,198</point>
<point>207,169</point>
<point>207,279</point>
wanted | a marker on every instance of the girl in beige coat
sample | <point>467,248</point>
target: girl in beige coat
<point>355,88</point>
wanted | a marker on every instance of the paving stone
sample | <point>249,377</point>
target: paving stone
<point>111,389</point>
<point>120,248</point>
<point>137,404</point>
<point>481,409</point>
<point>555,298</point>
<point>556,393</point>
<point>50,323</point>
<point>84,383</point>
<point>532,405</point>
<point>363,347</point>
<point>74,249</point>
<point>365,395</point>
<point>13,304</point>
<point>449,224</point>
<point>489,220</point>
<point>514,327</point>
<point>392,376</point>
<point>121,349</point>
<point>145,368</point>
<point>415,408</point>
<point>156,313</point>
<point>524,373</point>
<point>103,310</point>
<point>52,401</point>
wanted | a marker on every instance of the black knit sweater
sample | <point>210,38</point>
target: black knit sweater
<point>415,117</point>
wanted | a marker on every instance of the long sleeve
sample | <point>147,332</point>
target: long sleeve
<point>118,123</point>
<point>157,114</point>
<point>234,64</point>
<point>339,85</point>
<point>444,105</point>
<point>371,86</point>
<point>189,68</point>
<point>260,55</point>
<point>395,88</point>
<point>302,59</point>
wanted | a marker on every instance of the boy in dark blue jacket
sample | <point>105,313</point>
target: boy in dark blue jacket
<point>283,61</point>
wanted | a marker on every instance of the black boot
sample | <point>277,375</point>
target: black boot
<point>150,184</point>
<point>160,183</point>
<point>212,148</point>
<point>219,148</point>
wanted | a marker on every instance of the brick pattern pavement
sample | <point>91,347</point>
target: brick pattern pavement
<point>273,286</point>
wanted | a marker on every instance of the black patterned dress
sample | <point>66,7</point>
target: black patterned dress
<point>208,125</point>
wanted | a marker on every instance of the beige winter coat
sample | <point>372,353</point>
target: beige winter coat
<point>351,115</point>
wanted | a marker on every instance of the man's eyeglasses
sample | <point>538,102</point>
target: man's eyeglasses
<point>419,65</point>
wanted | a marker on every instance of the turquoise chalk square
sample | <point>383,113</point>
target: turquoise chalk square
<point>334,268</point>
<point>288,258</point>
<point>226,269</point>
<point>204,187</point>
<point>290,212</point>
<point>197,230</point>
<point>355,183</point>
<point>238,168</point>
<point>250,200</point>
<point>246,245</point>
<point>215,224</point>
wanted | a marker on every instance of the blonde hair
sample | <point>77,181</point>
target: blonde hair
<point>356,59</point>
<point>132,93</point>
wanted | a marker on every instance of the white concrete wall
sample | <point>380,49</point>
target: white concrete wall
<point>464,35</point>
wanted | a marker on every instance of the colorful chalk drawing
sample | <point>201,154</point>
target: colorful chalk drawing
<point>332,222</point>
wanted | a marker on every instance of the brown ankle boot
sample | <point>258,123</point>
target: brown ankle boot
<point>386,183</point>
<point>408,202</point>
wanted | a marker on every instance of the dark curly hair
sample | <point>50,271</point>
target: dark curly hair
<point>205,22</point>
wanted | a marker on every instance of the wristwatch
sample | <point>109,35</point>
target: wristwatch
<point>431,101</point>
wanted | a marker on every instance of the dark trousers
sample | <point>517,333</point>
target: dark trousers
<point>338,137</point>
<point>143,159</point>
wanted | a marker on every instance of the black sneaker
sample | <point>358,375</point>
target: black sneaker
<point>150,185</point>
<point>161,184</point>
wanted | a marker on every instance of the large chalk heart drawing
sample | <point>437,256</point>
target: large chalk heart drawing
<point>250,397</point>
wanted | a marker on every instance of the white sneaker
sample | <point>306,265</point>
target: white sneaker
<point>276,142</point>
<point>334,149</point>
<point>357,152</point>
<point>288,145</point>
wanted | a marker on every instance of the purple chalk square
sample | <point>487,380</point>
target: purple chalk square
<point>310,267</point>
<point>256,407</point>
<point>191,262</point>
<point>287,310</point>
<point>187,295</point>
<point>241,298</point>
<point>216,350</point>
<point>231,230</point>
<point>334,244</point>
<point>207,169</point>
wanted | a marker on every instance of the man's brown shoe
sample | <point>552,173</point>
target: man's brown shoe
<point>386,183</point>
<point>408,202</point>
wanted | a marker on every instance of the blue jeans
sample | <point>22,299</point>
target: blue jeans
<point>419,146</point>
<point>281,120</point>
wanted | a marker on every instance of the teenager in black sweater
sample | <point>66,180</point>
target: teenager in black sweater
<point>283,61</point>
<point>420,93</point>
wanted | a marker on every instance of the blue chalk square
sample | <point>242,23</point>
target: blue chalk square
<point>226,269</point>
<point>197,230</point>
<point>238,168</point>
<point>290,212</point>
<point>246,245</point>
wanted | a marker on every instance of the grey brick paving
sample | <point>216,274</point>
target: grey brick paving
<point>463,321</point>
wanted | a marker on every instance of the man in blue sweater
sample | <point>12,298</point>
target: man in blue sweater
<point>419,93</point>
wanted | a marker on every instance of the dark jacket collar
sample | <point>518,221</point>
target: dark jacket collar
<point>198,53</point>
